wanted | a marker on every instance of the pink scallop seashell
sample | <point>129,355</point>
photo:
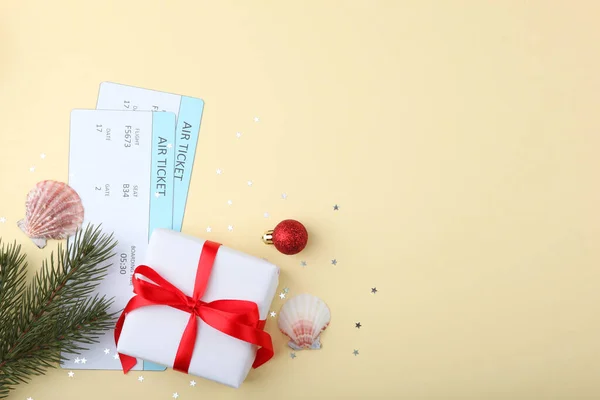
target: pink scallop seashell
<point>302,318</point>
<point>53,211</point>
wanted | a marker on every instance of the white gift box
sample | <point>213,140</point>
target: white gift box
<point>153,333</point>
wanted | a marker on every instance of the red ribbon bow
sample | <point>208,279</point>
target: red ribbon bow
<point>237,318</point>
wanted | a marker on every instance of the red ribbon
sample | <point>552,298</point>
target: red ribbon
<point>237,318</point>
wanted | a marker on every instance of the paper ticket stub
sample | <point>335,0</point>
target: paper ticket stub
<point>120,164</point>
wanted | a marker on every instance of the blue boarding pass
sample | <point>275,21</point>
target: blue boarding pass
<point>188,111</point>
<point>120,164</point>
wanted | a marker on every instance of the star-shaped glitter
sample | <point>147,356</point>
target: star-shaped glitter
<point>230,228</point>
<point>169,146</point>
<point>43,156</point>
<point>284,196</point>
<point>106,351</point>
<point>293,355</point>
<point>157,195</point>
<point>192,383</point>
<point>208,229</point>
<point>249,183</point>
<point>256,119</point>
<point>286,290</point>
<point>77,360</point>
<point>358,325</point>
<point>229,202</point>
<point>2,220</point>
<point>374,290</point>
<point>334,262</point>
<point>71,374</point>
<point>266,215</point>
<point>355,352</point>
<point>116,356</point>
<point>336,207</point>
<point>303,263</point>
<point>238,134</point>
<point>32,168</point>
<point>219,171</point>
<point>141,378</point>
<point>29,398</point>
<point>282,295</point>
<point>83,360</point>
<point>273,314</point>
<point>175,395</point>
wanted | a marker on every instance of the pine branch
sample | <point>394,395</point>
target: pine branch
<point>55,314</point>
<point>13,272</point>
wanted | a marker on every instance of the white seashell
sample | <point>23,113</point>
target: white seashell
<point>302,318</point>
<point>53,211</point>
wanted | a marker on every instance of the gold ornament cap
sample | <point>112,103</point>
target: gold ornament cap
<point>267,237</point>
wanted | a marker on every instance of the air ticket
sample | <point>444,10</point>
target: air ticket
<point>120,164</point>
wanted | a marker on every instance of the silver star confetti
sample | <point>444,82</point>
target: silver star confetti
<point>256,119</point>
<point>303,263</point>
<point>29,398</point>
<point>106,351</point>
<point>32,168</point>
<point>336,208</point>
<point>373,290</point>
<point>229,202</point>
<point>141,378</point>
<point>286,290</point>
<point>292,355</point>
<point>175,395</point>
<point>71,374</point>
<point>238,134</point>
<point>208,229</point>
<point>273,314</point>
<point>83,360</point>
<point>284,196</point>
<point>355,352</point>
<point>266,215</point>
<point>43,156</point>
<point>219,171</point>
<point>230,228</point>
<point>357,325</point>
<point>249,183</point>
<point>116,356</point>
<point>282,296</point>
<point>157,195</point>
<point>169,146</point>
<point>77,360</point>
<point>334,262</point>
<point>192,383</point>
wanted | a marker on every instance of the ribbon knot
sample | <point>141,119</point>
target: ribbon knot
<point>194,305</point>
<point>237,318</point>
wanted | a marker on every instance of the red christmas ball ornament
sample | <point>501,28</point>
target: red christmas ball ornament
<point>289,237</point>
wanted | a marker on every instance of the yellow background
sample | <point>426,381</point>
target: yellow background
<point>459,138</point>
